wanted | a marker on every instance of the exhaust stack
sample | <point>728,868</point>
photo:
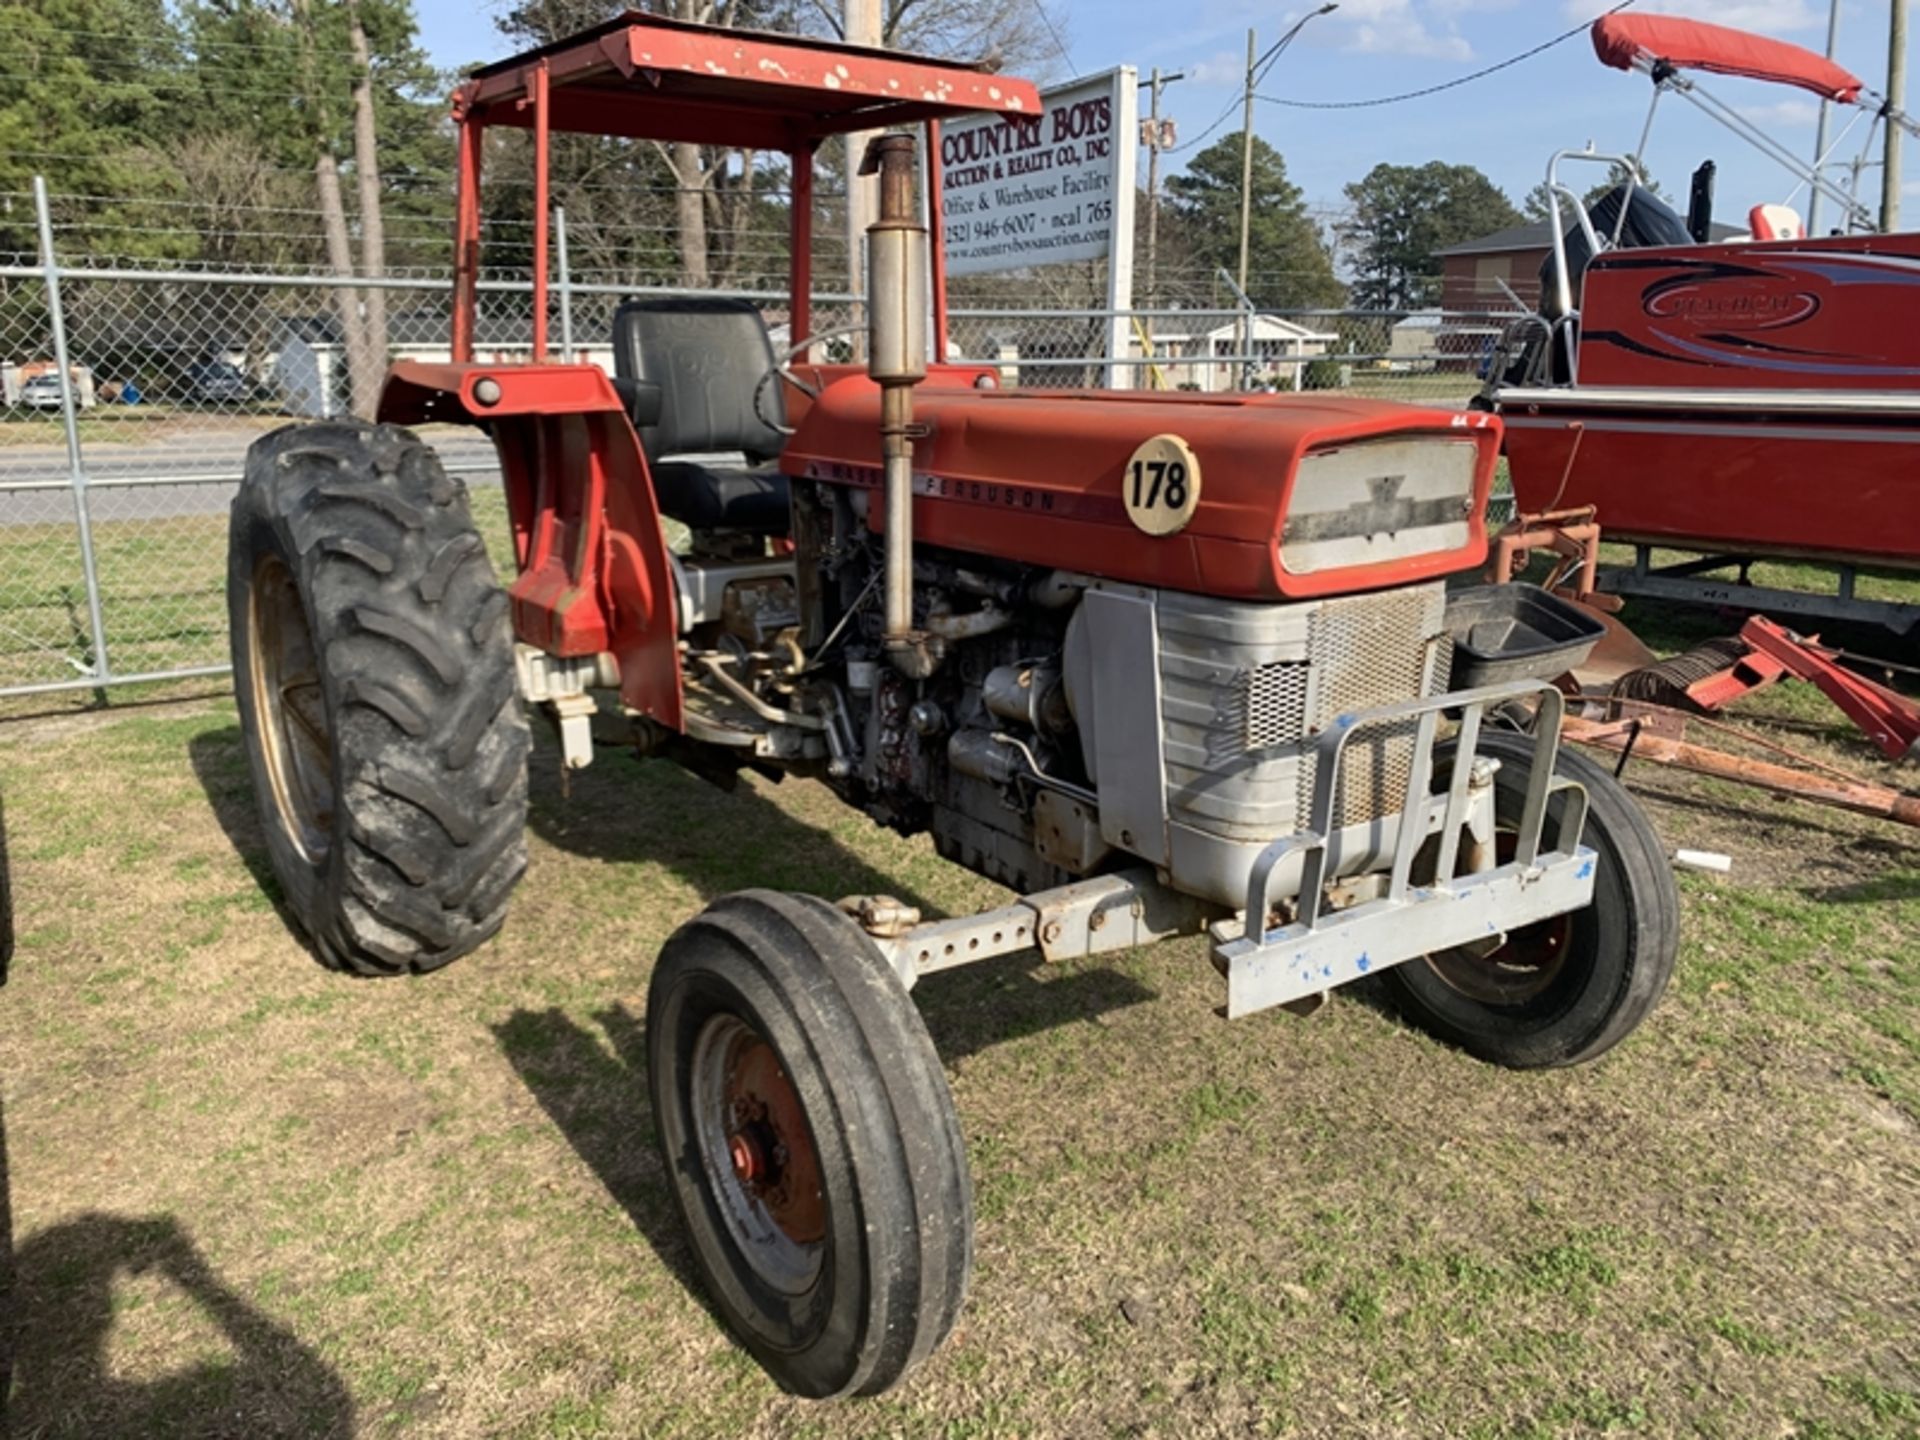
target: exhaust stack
<point>897,361</point>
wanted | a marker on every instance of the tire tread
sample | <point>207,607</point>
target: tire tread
<point>431,743</point>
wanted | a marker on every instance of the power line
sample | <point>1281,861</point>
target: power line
<point>1232,105</point>
<point>196,80</point>
<point>185,42</point>
<point>1040,8</point>
<point>1453,84</point>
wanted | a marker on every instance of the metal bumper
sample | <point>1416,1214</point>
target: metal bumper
<point>1322,949</point>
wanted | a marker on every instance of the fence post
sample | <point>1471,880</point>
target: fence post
<point>70,414</point>
<point>565,284</point>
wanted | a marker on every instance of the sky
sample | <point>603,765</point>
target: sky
<point>1507,124</point>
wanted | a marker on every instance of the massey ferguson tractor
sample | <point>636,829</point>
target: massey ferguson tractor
<point>1160,665</point>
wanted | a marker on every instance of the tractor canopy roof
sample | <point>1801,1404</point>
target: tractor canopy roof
<point>647,77</point>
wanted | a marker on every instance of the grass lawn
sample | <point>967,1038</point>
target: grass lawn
<point>108,424</point>
<point>252,1198</point>
<point>163,582</point>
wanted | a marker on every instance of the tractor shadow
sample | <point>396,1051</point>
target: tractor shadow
<point>631,814</point>
<point>718,842</point>
<point>270,1384</point>
<point>593,1087</point>
<point>590,1075</point>
<point>624,811</point>
<point>620,812</point>
<point>219,760</point>
<point>592,1082</point>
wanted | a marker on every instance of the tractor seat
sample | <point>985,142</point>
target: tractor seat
<point>686,368</point>
<point>705,497</point>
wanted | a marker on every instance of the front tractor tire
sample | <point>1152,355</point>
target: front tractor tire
<point>1567,990</point>
<point>810,1141</point>
<point>373,664</point>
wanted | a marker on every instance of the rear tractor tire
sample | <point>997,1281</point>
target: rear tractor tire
<point>1568,989</point>
<point>810,1142</point>
<point>373,664</point>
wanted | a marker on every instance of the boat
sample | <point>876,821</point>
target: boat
<point>1735,400</point>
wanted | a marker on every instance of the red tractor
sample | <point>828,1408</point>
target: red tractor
<point>1161,665</point>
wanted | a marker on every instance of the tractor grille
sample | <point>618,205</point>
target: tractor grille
<point>1245,689</point>
<point>1371,650</point>
<point>1276,703</point>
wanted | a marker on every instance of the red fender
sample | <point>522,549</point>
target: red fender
<point>594,573</point>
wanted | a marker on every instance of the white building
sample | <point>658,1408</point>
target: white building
<point>1202,360</point>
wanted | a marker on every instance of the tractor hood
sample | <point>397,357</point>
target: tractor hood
<point>1247,496</point>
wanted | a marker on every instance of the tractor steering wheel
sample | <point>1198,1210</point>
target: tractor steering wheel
<point>782,368</point>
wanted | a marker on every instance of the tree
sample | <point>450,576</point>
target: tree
<point>1007,34</point>
<point>1288,267</point>
<point>355,97</point>
<point>92,100</point>
<point>1539,202</point>
<point>1403,215</point>
<point>696,176</point>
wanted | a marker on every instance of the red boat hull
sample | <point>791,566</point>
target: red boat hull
<point>1740,398</point>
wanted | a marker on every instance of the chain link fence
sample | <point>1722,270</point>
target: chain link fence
<point>129,397</point>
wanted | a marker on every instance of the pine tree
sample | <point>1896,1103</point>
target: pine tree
<point>1403,215</point>
<point>1288,263</point>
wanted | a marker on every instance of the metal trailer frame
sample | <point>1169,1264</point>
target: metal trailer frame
<point>1695,582</point>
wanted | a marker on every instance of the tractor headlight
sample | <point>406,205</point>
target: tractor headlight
<point>1379,500</point>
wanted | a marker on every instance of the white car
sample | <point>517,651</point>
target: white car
<point>42,392</point>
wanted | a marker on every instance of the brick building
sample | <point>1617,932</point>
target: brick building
<point>1471,272</point>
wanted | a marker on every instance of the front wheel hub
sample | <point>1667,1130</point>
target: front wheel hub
<point>749,1158</point>
<point>758,1150</point>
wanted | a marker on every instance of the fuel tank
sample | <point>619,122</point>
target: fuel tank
<point>1272,497</point>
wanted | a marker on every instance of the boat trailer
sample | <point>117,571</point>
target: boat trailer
<point>1621,698</point>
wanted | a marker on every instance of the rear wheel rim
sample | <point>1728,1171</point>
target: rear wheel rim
<point>1522,969</point>
<point>297,740</point>
<point>757,1150</point>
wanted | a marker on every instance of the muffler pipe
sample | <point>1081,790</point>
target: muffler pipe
<point>897,361</point>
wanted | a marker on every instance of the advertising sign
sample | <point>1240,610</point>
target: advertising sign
<point>1021,190</point>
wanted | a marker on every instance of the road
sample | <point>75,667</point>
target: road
<point>216,451</point>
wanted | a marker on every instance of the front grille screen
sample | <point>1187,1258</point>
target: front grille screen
<point>1370,650</point>
<point>1276,704</point>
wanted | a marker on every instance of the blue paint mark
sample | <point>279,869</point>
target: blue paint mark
<point>1347,722</point>
<point>1363,964</point>
<point>1326,972</point>
<point>1586,870</point>
<point>1755,362</point>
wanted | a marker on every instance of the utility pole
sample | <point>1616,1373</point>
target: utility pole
<point>1156,140</point>
<point>1257,66</point>
<point>861,20</point>
<point>1826,126</point>
<point>364,370</point>
<point>366,166</point>
<point>1896,100</point>
<point>1243,329</point>
<point>1246,164</point>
